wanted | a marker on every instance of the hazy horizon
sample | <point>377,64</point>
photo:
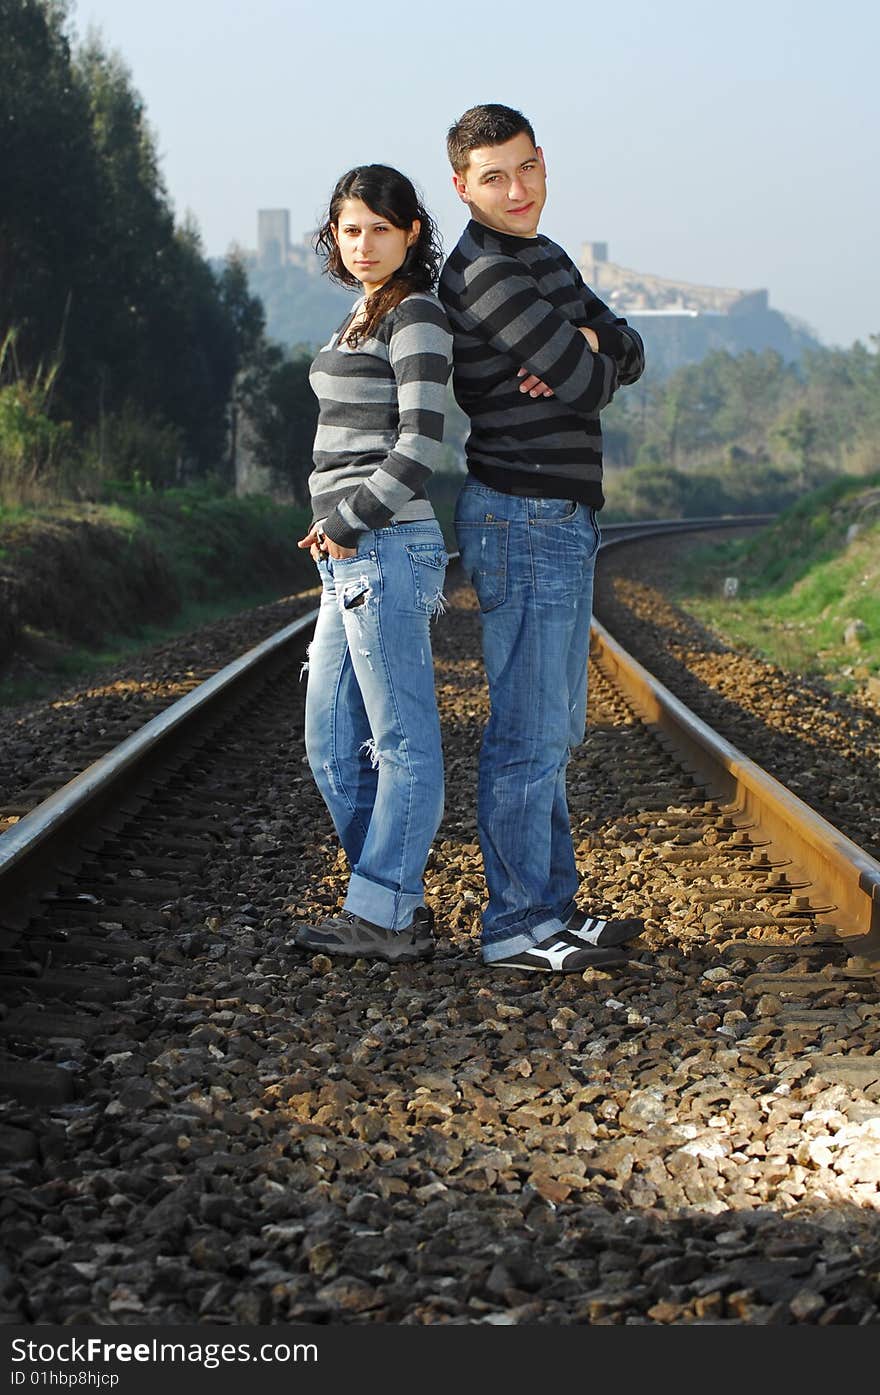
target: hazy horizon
<point>729,150</point>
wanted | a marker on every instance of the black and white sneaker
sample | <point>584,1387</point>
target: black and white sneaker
<point>356,938</point>
<point>562,953</point>
<point>590,930</point>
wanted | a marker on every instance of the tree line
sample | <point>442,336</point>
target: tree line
<point>123,354</point>
<point>743,433</point>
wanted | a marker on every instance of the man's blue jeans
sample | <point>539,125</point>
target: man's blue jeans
<point>372,727</point>
<point>531,563</point>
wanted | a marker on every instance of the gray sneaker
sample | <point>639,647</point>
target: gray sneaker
<point>356,938</point>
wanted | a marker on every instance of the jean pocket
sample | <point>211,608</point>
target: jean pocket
<point>554,511</point>
<point>483,548</point>
<point>428,562</point>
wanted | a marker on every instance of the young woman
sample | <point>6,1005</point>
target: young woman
<point>372,728</point>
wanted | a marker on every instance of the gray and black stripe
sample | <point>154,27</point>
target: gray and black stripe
<point>380,423</point>
<point>516,302</point>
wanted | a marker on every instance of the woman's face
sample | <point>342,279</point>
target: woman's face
<point>371,248</point>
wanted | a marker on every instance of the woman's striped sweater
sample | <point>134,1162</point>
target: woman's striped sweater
<point>382,409</point>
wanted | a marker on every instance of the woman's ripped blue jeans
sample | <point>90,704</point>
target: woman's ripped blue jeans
<point>372,726</point>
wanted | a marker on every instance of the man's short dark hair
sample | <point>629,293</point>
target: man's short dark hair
<point>489,124</point>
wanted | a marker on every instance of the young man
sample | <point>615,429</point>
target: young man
<point>536,357</point>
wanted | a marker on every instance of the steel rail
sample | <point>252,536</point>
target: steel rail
<point>48,823</point>
<point>843,877</point>
<point>613,533</point>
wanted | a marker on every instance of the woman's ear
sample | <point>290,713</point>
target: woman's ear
<point>414,232</point>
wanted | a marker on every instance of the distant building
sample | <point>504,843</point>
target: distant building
<point>273,236</point>
<point>274,247</point>
<point>682,322</point>
<point>639,292</point>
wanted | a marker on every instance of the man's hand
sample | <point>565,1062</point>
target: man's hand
<point>591,337</point>
<point>320,545</point>
<point>532,385</point>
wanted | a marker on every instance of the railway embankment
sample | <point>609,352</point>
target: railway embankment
<point>79,581</point>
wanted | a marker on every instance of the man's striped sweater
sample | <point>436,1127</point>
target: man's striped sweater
<point>382,408</point>
<point>516,302</point>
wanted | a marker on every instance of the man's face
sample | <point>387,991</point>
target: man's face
<point>505,186</point>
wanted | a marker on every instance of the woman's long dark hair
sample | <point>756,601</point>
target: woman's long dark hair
<point>388,194</point>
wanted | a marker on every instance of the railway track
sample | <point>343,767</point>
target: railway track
<point>844,881</point>
<point>294,1138</point>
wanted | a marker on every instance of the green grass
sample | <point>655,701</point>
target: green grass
<point>215,543</point>
<point>801,583</point>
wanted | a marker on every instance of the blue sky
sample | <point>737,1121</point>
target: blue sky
<point>735,145</point>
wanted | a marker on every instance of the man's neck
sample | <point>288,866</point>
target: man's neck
<point>500,232</point>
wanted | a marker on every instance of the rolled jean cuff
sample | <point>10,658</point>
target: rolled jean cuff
<point>522,940</point>
<point>393,910</point>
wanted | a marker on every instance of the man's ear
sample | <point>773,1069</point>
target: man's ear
<point>540,154</point>
<point>460,186</point>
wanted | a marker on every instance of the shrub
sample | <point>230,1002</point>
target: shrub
<point>31,444</point>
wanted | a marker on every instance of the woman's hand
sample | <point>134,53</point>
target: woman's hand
<point>320,545</point>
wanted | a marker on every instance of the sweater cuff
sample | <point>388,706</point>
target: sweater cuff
<point>339,532</point>
<point>611,341</point>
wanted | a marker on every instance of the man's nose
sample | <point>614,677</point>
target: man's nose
<point>516,189</point>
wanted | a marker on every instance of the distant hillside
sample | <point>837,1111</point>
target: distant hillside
<point>302,307</point>
<point>681,322</point>
<point>672,341</point>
